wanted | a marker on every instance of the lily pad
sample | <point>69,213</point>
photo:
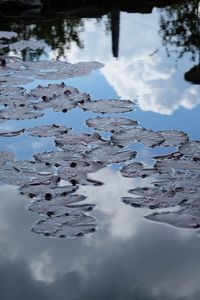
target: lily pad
<point>58,205</point>
<point>19,113</point>
<point>191,149</point>
<point>108,106</point>
<point>58,96</point>
<point>31,44</point>
<point>111,124</point>
<point>155,198</point>
<point>13,80</point>
<point>6,157</point>
<point>109,154</point>
<point>48,130</point>
<point>135,170</point>
<point>7,34</point>
<point>48,70</point>
<point>79,142</point>
<point>184,218</point>
<point>12,133</point>
<point>149,138</point>
<point>66,226</point>
<point>48,192</point>
<point>76,172</point>
<point>173,138</point>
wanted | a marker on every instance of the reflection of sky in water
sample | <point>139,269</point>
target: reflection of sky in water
<point>128,257</point>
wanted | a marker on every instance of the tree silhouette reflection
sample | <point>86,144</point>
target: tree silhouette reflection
<point>180,32</point>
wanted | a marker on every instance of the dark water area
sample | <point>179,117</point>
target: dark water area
<point>152,58</point>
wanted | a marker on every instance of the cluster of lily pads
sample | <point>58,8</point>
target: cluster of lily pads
<point>51,179</point>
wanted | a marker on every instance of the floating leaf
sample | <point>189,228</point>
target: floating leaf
<point>12,133</point>
<point>19,113</point>
<point>136,169</point>
<point>48,130</point>
<point>48,192</point>
<point>77,143</point>
<point>108,106</point>
<point>31,44</point>
<point>155,198</point>
<point>6,157</point>
<point>57,158</point>
<point>7,34</point>
<point>42,206</point>
<point>65,70</point>
<point>191,149</point>
<point>149,138</point>
<point>13,80</point>
<point>76,172</point>
<point>49,70</point>
<point>66,226</point>
<point>109,154</point>
<point>110,123</point>
<point>173,138</point>
<point>184,218</point>
<point>58,96</point>
<point>59,206</point>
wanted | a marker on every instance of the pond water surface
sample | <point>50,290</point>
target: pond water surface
<point>128,257</point>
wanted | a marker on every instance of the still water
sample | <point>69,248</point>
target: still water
<point>146,58</point>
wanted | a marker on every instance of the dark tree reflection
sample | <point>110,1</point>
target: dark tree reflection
<point>59,34</point>
<point>180,30</point>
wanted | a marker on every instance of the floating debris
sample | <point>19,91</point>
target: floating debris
<point>111,124</point>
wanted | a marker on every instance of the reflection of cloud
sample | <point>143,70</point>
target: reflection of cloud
<point>156,88</point>
<point>151,79</point>
<point>152,264</point>
<point>119,217</point>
